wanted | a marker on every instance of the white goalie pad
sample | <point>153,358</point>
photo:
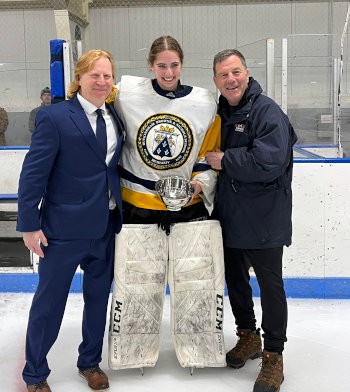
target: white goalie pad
<point>191,260</point>
<point>196,280</point>
<point>138,295</point>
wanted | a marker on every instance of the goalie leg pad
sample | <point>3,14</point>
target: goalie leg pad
<point>141,259</point>
<point>196,280</point>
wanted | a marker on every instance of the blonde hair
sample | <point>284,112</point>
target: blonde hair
<point>86,62</point>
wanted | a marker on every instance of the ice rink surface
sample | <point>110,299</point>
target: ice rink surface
<point>316,358</point>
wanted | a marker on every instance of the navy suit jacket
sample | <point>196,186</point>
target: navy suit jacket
<point>64,183</point>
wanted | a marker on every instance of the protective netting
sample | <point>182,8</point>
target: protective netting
<point>127,28</point>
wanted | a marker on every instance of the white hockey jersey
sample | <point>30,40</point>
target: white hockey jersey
<point>167,133</point>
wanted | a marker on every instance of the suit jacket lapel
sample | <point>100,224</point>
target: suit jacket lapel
<point>82,123</point>
<point>119,123</point>
<point>120,132</point>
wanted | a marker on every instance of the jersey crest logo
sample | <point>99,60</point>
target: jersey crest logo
<point>164,141</point>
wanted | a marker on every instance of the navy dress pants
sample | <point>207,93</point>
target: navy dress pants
<point>56,271</point>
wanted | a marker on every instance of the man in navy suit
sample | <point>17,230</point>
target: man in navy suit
<point>69,209</point>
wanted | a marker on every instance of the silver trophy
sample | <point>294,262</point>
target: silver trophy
<point>175,192</point>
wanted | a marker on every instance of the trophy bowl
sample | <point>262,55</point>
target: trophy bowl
<point>174,191</point>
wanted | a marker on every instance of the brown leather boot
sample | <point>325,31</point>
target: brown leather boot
<point>271,375</point>
<point>42,386</point>
<point>247,347</point>
<point>96,378</point>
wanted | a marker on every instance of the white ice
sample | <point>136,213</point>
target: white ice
<point>316,356</point>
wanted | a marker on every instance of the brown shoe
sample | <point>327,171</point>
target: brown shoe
<point>271,375</point>
<point>41,386</point>
<point>247,347</point>
<point>96,378</point>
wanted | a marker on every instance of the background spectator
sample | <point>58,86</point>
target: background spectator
<point>45,96</point>
<point>4,122</point>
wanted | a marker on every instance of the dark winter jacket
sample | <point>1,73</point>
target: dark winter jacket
<point>254,198</point>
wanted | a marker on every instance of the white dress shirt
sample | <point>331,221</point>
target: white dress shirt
<point>111,129</point>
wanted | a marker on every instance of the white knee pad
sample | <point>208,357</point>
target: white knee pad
<point>141,259</point>
<point>196,280</point>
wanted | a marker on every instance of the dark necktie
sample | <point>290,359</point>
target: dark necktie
<point>101,134</point>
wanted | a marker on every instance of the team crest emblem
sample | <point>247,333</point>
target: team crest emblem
<point>164,141</point>
<point>239,127</point>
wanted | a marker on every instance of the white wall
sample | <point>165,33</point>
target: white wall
<point>205,30</point>
<point>24,57</point>
<point>127,32</point>
<point>11,164</point>
<point>321,221</point>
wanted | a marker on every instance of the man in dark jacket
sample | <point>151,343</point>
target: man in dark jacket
<point>254,206</point>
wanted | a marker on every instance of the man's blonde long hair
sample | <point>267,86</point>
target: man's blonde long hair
<point>86,62</point>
